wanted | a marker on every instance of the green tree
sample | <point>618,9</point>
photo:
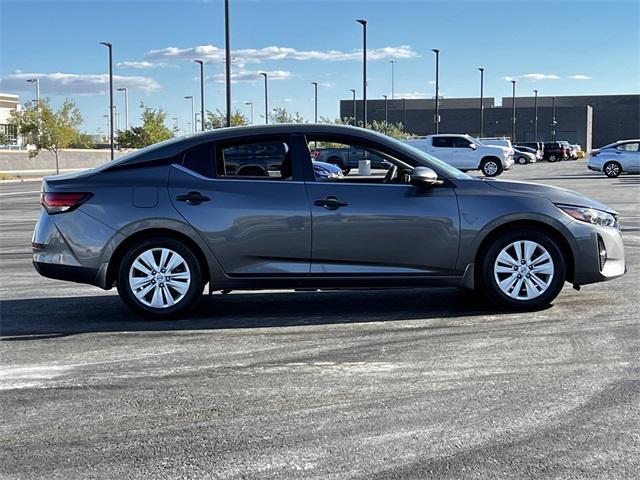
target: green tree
<point>218,119</point>
<point>281,115</point>
<point>395,130</point>
<point>82,140</point>
<point>153,130</point>
<point>47,129</point>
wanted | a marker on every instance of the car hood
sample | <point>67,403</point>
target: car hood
<point>553,194</point>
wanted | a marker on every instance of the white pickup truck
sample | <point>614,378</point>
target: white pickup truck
<point>466,153</point>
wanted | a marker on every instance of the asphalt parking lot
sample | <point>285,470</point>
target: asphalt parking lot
<point>328,385</point>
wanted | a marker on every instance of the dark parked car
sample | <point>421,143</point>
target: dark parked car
<point>555,151</point>
<point>165,221</point>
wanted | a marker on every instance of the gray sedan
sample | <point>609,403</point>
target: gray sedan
<point>242,208</point>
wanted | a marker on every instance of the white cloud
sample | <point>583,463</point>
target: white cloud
<point>214,54</point>
<point>580,77</point>
<point>241,75</point>
<point>532,77</point>
<point>411,95</point>
<point>141,65</point>
<point>76,84</point>
<point>432,82</point>
<point>326,84</point>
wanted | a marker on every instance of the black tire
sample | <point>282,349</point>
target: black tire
<point>487,278</point>
<point>185,303</point>
<point>612,169</point>
<point>337,161</point>
<point>491,167</point>
<point>552,158</point>
<point>522,160</point>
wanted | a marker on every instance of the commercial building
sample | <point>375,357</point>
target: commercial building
<point>592,121</point>
<point>8,103</point>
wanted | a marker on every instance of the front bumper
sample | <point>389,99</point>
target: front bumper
<point>588,266</point>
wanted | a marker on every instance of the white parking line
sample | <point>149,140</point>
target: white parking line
<point>19,193</point>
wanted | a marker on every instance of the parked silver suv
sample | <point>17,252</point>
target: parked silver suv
<point>167,220</point>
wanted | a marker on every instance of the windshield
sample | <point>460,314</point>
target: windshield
<point>428,160</point>
<point>140,151</point>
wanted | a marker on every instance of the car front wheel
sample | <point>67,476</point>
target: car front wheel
<point>522,160</point>
<point>491,167</point>
<point>160,277</point>
<point>524,269</point>
<point>612,169</point>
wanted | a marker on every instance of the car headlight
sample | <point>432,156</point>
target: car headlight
<point>590,215</point>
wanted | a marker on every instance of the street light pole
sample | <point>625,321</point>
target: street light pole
<point>354,107</point>
<point>386,114</point>
<point>437,117</point>
<point>315,114</point>
<point>513,112</point>
<point>481,102</point>
<point>251,105</point>
<point>126,106</point>
<point>227,38</point>
<point>37,82</point>
<point>202,122</point>
<point>553,118</point>
<point>535,116</point>
<point>111,112</point>
<point>363,22</point>
<point>193,118</point>
<point>393,63</point>
<point>266,99</point>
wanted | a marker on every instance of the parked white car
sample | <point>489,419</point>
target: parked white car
<point>466,153</point>
<point>616,158</point>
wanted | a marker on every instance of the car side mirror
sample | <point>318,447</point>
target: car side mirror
<point>423,176</point>
<point>473,146</point>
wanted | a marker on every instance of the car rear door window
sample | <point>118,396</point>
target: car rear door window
<point>629,147</point>
<point>268,160</point>
<point>199,159</point>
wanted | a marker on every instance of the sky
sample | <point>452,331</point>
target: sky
<point>557,47</point>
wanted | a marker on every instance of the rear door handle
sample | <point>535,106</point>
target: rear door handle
<point>192,198</point>
<point>330,203</point>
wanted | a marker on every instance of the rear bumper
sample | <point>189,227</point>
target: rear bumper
<point>71,247</point>
<point>70,273</point>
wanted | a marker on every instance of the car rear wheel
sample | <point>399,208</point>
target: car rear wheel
<point>522,160</point>
<point>552,158</point>
<point>160,277</point>
<point>612,169</point>
<point>491,167</point>
<point>524,269</point>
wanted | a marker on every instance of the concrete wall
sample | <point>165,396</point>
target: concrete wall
<point>12,161</point>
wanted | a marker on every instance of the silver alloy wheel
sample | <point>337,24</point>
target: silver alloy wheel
<point>490,168</point>
<point>522,160</point>
<point>523,270</point>
<point>612,169</point>
<point>159,277</point>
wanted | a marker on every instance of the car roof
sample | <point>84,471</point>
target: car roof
<point>178,145</point>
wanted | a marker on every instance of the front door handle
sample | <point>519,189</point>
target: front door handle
<point>192,198</point>
<point>330,203</point>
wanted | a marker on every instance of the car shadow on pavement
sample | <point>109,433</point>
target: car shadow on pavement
<point>38,318</point>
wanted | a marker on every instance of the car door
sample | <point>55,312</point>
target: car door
<point>443,149</point>
<point>381,229</point>
<point>466,157</point>
<point>255,224</point>
<point>628,154</point>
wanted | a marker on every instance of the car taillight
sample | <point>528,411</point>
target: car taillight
<point>63,201</point>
